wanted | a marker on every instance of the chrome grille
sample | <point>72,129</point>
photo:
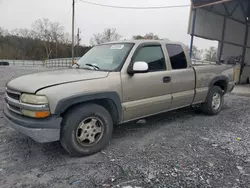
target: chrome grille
<point>14,104</point>
<point>13,94</point>
<point>12,98</point>
<point>14,109</point>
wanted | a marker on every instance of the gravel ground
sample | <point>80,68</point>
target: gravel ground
<point>175,149</point>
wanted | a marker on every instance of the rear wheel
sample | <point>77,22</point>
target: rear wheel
<point>87,129</point>
<point>214,101</point>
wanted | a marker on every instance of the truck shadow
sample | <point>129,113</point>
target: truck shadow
<point>154,122</point>
<point>125,131</point>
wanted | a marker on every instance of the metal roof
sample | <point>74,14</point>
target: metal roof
<point>237,10</point>
<point>202,3</point>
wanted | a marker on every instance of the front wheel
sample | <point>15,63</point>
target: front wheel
<point>214,101</point>
<point>86,129</point>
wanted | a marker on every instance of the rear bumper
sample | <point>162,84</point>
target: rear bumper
<point>40,130</point>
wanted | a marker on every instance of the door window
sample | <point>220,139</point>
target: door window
<point>152,55</point>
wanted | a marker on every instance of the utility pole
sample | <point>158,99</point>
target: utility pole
<point>73,30</point>
<point>78,41</point>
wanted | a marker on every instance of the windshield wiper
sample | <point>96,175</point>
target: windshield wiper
<point>91,65</point>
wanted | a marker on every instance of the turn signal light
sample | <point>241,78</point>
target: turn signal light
<point>36,114</point>
<point>42,114</point>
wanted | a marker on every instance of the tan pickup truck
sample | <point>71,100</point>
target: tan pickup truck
<point>111,84</point>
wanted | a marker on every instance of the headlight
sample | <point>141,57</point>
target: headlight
<point>34,99</point>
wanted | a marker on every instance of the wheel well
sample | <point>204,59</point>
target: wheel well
<point>222,84</point>
<point>108,104</point>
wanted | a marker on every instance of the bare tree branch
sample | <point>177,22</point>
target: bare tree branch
<point>107,35</point>
<point>148,36</point>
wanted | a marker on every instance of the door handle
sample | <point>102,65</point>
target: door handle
<point>166,79</point>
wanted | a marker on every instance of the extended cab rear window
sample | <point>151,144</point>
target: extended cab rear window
<point>177,56</point>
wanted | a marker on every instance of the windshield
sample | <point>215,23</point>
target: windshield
<point>106,57</point>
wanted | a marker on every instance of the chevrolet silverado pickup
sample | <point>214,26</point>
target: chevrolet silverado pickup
<point>111,84</point>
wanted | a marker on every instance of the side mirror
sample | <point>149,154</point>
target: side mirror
<point>140,67</point>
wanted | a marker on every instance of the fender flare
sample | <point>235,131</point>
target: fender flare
<point>219,78</point>
<point>67,102</point>
<point>216,79</point>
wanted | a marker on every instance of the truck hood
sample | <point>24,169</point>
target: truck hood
<point>33,82</point>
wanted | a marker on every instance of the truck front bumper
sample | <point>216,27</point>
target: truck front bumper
<point>40,130</point>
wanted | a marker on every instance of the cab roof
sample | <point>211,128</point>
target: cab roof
<point>142,41</point>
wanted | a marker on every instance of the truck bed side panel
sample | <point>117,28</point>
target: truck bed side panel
<point>205,74</point>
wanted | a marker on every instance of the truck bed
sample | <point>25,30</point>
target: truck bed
<point>206,74</point>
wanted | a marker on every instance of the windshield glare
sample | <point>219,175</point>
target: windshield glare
<point>106,57</point>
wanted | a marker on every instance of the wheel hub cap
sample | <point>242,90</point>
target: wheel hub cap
<point>216,101</point>
<point>89,131</point>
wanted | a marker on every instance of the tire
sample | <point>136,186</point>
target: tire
<point>208,107</point>
<point>73,130</point>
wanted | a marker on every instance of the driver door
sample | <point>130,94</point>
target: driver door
<point>148,93</point>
